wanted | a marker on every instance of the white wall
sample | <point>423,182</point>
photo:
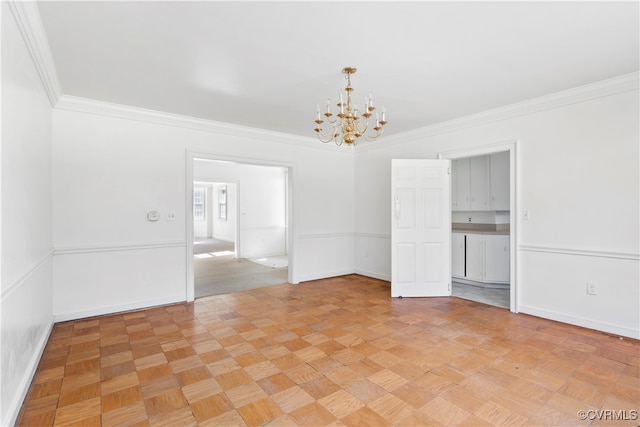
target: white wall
<point>262,205</point>
<point>26,253</point>
<point>577,175</point>
<point>113,164</point>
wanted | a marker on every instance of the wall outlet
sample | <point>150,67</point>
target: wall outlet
<point>171,216</point>
<point>592,289</point>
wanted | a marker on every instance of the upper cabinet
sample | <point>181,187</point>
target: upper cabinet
<point>460,191</point>
<point>481,183</point>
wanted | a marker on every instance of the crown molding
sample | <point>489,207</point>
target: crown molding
<point>27,19</point>
<point>108,109</point>
<point>625,83</point>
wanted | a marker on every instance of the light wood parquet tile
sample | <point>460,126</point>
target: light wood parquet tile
<point>332,352</point>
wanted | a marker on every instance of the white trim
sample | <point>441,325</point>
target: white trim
<point>27,19</point>
<point>325,235</point>
<point>478,150</point>
<point>580,321</point>
<point>13,410</point>
<point>108,109</point>
<point>265,227</point>
<point>580,252</point>
<point>291,168</point>
<point>112,309</point>
<point>385,277</point>
<point>374,235</point>
<point>117,247</point>
<point>625,83</point>
<point>511,147</point>
<point>11,288</point>
<point>325,275</point>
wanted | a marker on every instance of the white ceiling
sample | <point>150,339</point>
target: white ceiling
<point>268,64</point>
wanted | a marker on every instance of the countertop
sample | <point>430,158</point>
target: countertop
<point>497,229</point>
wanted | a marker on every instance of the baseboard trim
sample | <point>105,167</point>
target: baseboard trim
<point>326,275</point>
<point>373,274</point>
<point>100,311</point>
<point>13,411</point>
<point>579,321</point>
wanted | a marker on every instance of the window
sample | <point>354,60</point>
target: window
<point>198,204</point>
<point>222,203</point>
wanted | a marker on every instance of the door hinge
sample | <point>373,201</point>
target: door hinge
<point>449,171</point>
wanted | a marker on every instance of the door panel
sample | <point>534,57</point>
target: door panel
<point>406,263</point>
<point>421,228</point>
<point>432,262</point>
<point>406,208</point>
<point>432,209</point>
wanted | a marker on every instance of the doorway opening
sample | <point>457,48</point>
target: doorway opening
<point>238,232</point>
<point>484,228</point>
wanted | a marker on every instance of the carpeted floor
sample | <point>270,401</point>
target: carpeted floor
<point>217,271</point>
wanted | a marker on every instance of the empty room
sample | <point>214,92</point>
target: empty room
<point>442,199</point>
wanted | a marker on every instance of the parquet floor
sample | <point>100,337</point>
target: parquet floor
<point>335,352</point>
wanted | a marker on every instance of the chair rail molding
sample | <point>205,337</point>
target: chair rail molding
<point>580,252</point>
<point>118,247</point>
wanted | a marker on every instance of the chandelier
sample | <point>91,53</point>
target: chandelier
<point>350,123</point>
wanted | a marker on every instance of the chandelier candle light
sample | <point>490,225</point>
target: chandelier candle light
<point>347,127</point>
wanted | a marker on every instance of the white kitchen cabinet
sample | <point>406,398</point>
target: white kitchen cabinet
<point>479,183</point>
<point>496,259</point>
<point>475,257</point>
<point>499,181</point>
<point>482,258</point>
<point>470,179</point>
<point>460,180</point>
<point>457,255</point>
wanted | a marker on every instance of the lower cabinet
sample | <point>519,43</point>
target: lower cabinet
<point>496,263</point>
<point>481,258</point>
<point>475,257</point>
<point>457,254</point>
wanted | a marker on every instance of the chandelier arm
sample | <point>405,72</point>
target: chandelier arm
<point>334,136</point>
<point>364,129</point>
<point>328,120</point>
<point>373,137</point>
<point>328,138</point>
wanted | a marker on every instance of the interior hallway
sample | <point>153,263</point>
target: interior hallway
<point>336,351</point>
<point>217,271</point>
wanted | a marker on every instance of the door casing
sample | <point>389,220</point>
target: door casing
<point>511,147</point>
<point>291,231</point>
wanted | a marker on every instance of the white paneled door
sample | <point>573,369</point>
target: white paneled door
<point>421,228</point>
